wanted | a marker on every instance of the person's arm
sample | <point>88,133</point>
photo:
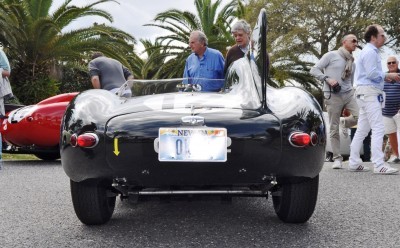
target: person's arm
<point>374,72</point>
<point>96,82</point>
<point>127,74</point>
<point>5,73</point>
<point>94,73</point>
<point>392,77</point>
<point>318,70</point>
<point>227,61</point>
<point>185,73</point>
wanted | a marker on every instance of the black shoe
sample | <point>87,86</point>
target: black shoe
<point>3,116</point>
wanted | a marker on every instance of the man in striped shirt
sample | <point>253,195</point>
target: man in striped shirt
<point>392,107</point>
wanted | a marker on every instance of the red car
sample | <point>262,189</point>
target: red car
<point>35,129</point>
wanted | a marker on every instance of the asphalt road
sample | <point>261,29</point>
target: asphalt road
<point>353,210</point>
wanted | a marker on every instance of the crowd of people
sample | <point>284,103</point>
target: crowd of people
<point>205,67</point>
<point>370,95</point>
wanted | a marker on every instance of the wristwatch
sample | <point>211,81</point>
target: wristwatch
<point>324,79</point>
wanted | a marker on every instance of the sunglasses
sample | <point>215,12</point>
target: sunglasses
<point>354,41</point>
<point>392,63</point>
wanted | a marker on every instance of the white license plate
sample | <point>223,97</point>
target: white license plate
<point>185,144</point>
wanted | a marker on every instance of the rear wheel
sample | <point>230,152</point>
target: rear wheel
<point>295,202</point>
<point>93,201</point>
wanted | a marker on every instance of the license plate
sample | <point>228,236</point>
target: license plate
<point>183,144</point>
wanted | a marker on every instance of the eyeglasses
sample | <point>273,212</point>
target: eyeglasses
<point>354,41</point>
<point>391,62</point>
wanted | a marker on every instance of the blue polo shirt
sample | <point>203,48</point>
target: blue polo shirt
<point>369,68</point>
<point>207,71</point>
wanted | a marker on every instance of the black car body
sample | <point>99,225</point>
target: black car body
<point>274,140</point>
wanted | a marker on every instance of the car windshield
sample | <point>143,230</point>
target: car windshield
<point>239,90</point>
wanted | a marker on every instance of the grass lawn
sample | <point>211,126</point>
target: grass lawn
<point>12,156</point>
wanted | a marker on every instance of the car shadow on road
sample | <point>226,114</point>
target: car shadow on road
<point>199,223</point>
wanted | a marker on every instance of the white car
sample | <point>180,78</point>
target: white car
<point>345,141</point>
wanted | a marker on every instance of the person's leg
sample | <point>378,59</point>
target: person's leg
<point>334,108</point>
<point>367,148</point>
<point>352,106</point>
<point>390,131</point>
<point>393,143</point>
<point>352,132</point>
<point>375,119</point>
<point>363,128</point>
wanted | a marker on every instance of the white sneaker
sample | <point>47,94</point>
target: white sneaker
<point>394,160</point>
<point>385,169</point>
<point>337,164</point>
<point>358,168</point>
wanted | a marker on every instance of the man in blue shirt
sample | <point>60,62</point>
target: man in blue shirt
<point>205,66</point>
<point>369,94</point>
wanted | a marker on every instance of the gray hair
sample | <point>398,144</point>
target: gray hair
<point>345,37</point>
<point>394,57</point>
<point>241,25</point>
<point>201,37</point>
<point>96,55</point>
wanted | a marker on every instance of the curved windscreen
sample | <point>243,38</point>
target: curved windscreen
<point>238,90</point>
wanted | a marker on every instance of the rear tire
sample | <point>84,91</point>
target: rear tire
<point>93,202</point>
<point>295,202</point>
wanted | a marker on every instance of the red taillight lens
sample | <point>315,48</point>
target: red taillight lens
<point>298,139</point>
<point>87,140</point>
<point>314,138</point>
<point>73,140</point>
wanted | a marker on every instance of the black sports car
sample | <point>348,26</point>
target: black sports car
<point>247,140</point>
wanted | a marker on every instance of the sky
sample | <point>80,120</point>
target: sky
<point>131,15</point>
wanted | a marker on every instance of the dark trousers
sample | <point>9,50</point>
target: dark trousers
<point>366,145</point>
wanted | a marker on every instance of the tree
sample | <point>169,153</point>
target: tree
<point>174,45</point>
<point>38,47</point>
<point>300,32</point>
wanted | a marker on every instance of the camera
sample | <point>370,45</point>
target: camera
<point>336,88</point>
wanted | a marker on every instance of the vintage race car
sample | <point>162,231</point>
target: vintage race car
<point>249,140</point>
<point>35,129</point>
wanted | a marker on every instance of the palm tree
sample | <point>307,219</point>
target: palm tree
<point>179,24</point>
<point>34,41</point>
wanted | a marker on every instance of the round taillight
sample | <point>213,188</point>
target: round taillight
<point>298,139</point>
<point>73,140</point>
<point>87,140</point>
<point>314,138</point>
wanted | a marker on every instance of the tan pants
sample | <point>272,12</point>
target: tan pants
<point>334,107</point>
